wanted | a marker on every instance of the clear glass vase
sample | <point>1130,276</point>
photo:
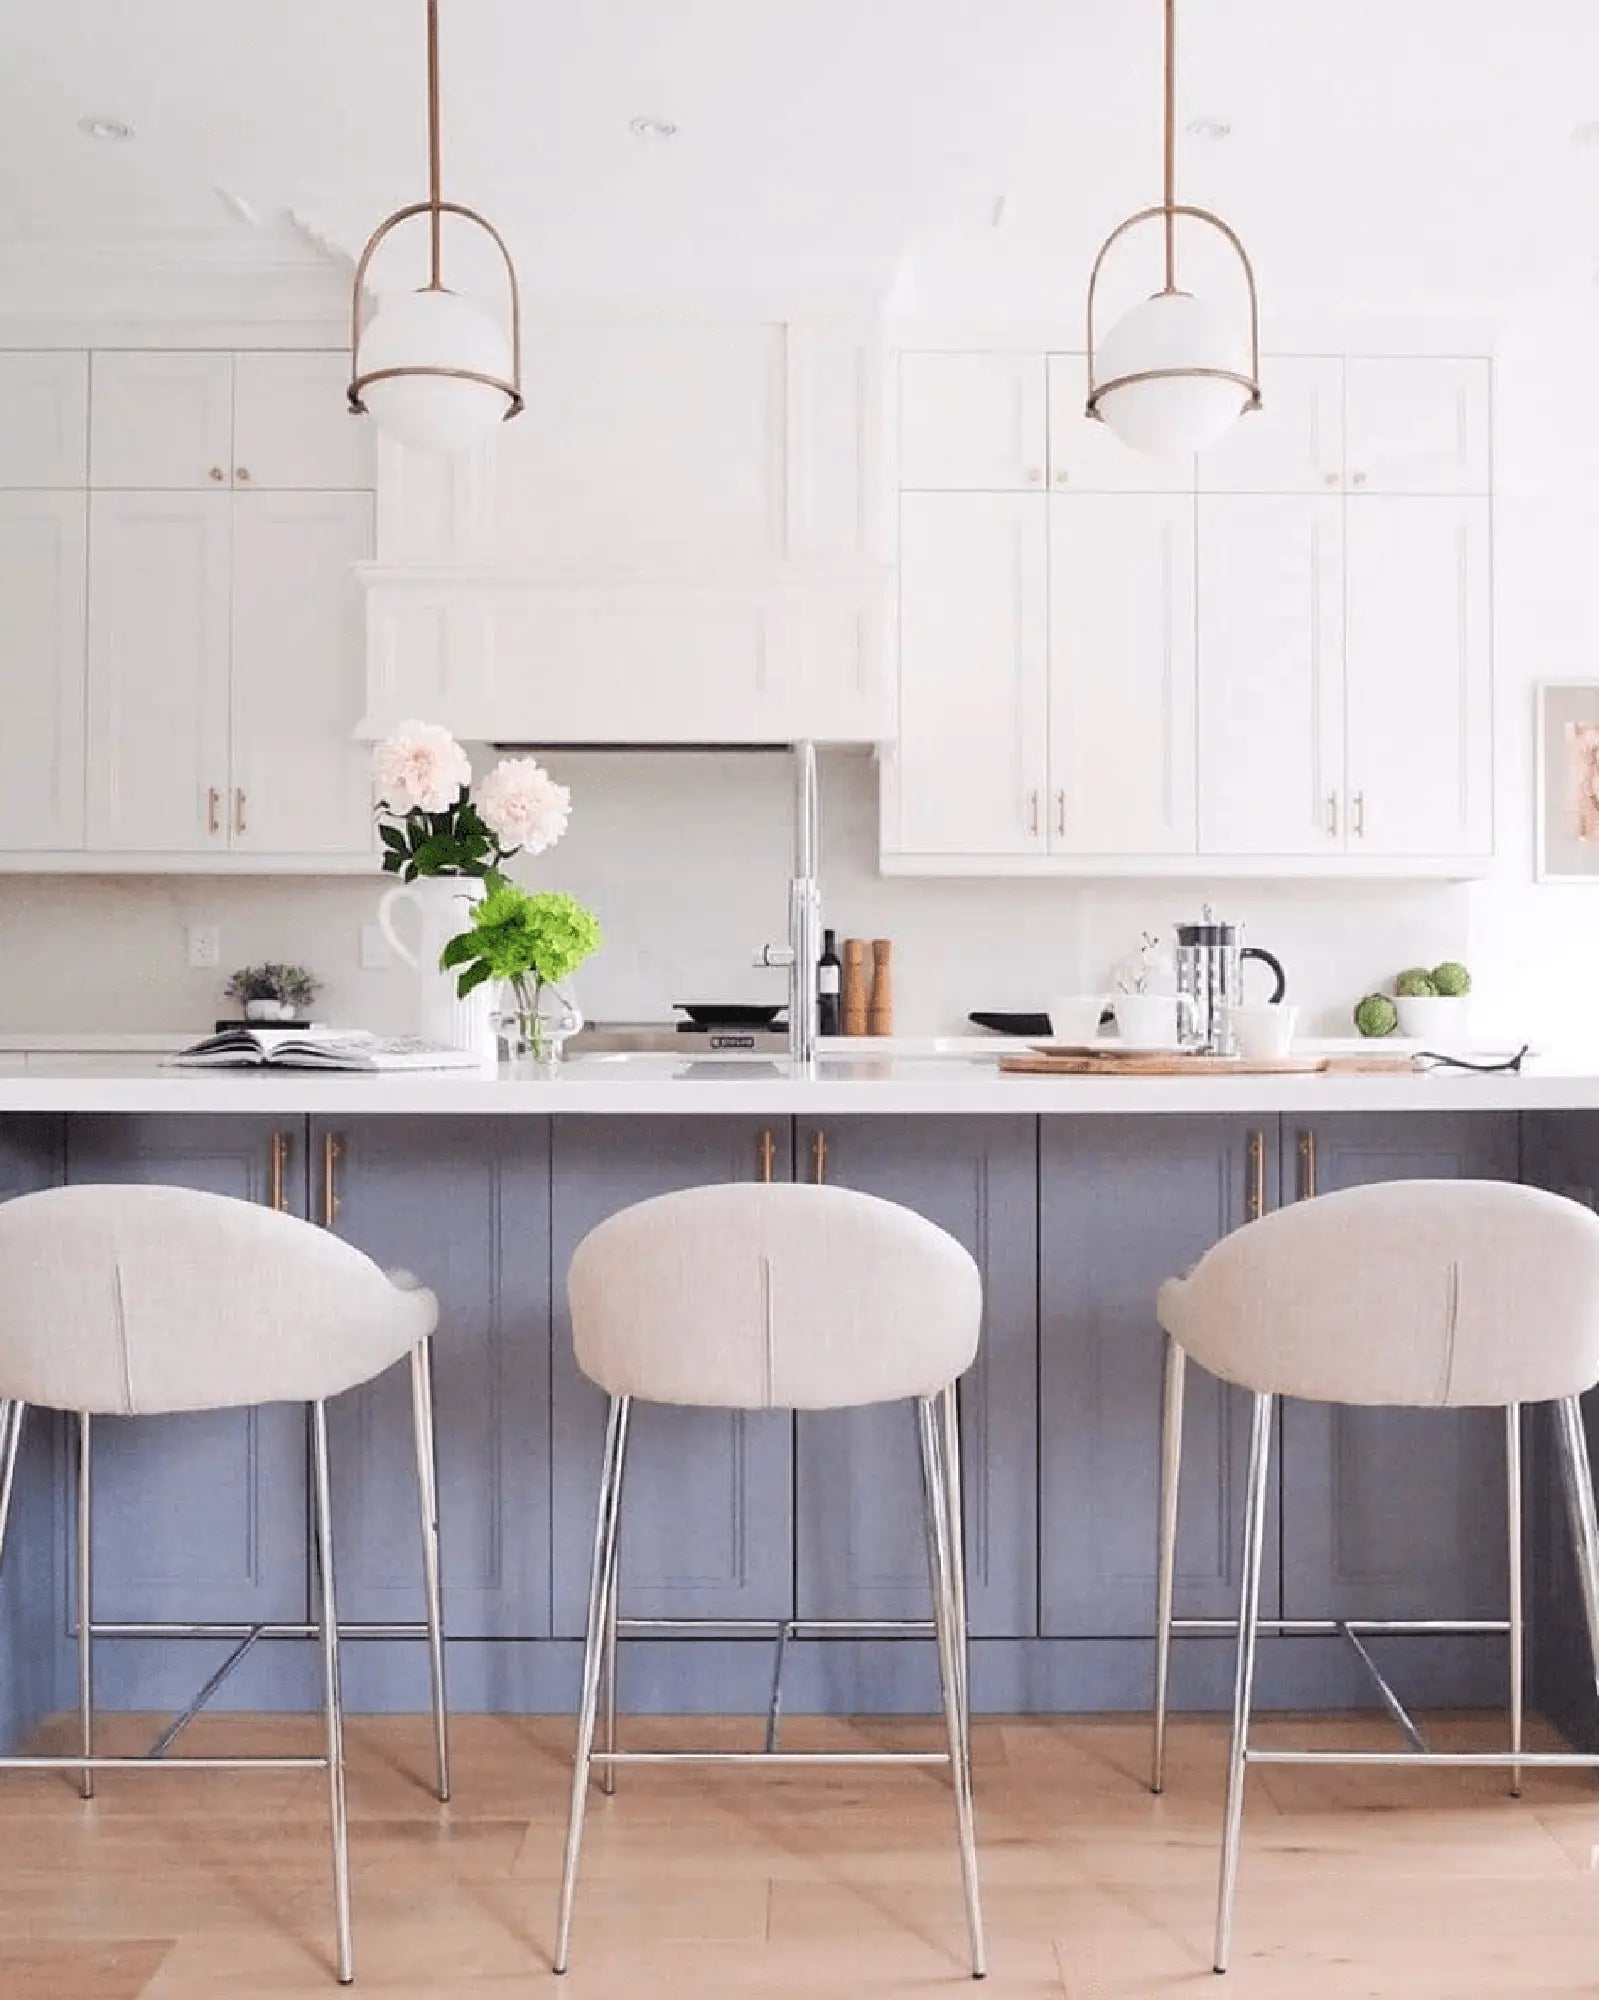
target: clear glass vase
<point>537,1023</point>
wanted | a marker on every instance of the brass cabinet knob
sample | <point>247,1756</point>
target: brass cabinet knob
<point>1331,478</point>
<point>242,474</point>
<point>218,474</point>
<point>1359,478</point>
<point>1035,475</point>
<point>1061,478</point>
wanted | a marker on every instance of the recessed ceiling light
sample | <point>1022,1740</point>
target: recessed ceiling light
<point>1209,128</point>
<point>112,130</point>
<point>652,128</point>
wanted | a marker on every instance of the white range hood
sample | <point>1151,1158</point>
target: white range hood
<point>680,542</point>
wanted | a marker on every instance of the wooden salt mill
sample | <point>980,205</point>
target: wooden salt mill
<point>880,1015</point>
<point>854,1007</point>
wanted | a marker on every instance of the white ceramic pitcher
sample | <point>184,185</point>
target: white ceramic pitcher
<point>443,905</point>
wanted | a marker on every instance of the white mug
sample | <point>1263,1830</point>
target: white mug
<point>1076,1019</point>
<point>1262,1033</point>
<point>1153,1020</point>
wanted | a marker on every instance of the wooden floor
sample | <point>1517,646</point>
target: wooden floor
<point>1434,1885</point>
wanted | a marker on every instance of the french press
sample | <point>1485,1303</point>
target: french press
<point>1210,963</point>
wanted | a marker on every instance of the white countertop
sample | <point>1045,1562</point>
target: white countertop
<point>647,1084</point>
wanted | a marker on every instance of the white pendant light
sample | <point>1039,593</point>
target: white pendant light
<point>432,368</point>
<point>1174,374</point>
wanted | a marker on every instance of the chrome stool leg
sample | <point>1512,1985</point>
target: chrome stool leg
<point>1171,1460</point>
<point>950,1442</point>
<point>602,1577</point>
<point>1578,1477</point>
<point>948,1620</point>
<point>1244,1682</point>
<point>1516,1634</point>
<point>11,1416</point>
<point>332,1695</point>
<point>427,1493</point>
<point>608,1670</point>
<point>85,1599</point>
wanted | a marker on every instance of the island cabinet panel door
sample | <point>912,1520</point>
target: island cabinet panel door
<point>707,1517</point>
<point>1124,1204</point>
<point>860,1549</point>
<point>201,1515</point>
<point>462,1204</point>
<point>1396,1513</point>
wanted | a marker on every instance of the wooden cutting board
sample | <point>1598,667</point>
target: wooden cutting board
<point>1110,1062</point>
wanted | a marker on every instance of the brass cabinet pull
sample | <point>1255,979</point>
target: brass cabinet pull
<point>1035,475</point>
<point>1255,1195</point>
<point>218,474</point>
<point>819,1156</point>
<point>1032,813</point>
<point>1332,814</point>
<point>1060,812</point>
<point>238,811</point>
<point>1307,1165</point>
<point>275,1180</point>
<point>1360,816</point>
<point>332,1153</point>
<point>765,1155</point>
<point>1331,478</point>
<point>213,810</point>
<point>242,474</point>
<point>1359,478</point>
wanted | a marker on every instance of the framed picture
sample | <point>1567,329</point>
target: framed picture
<point>1568,781</point>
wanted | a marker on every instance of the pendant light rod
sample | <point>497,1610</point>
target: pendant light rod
<point>436,156</point>
<point>1169,135</point>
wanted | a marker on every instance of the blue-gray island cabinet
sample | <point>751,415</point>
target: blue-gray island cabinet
<point>1074,1220</point>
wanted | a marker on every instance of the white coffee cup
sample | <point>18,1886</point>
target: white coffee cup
<point>1261,1033</point>
<point>1076,1018</point>
<point>1152,1020</point>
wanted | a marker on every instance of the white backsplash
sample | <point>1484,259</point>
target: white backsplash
<point>686,858</point>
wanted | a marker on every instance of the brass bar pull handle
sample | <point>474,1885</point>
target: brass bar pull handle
<point>1332,814</point>
<point>332,1152</point>
<point>275,1178</point>
<point>765,1155</point>
<point>819,1156</point>
<point>1032,813</point>
<point>1360,815</point>
<point>1307,1165</point>
<point>213,810</point>
<point>238,811</point>
<point>1060,812</point>
<point>1255,1195</point>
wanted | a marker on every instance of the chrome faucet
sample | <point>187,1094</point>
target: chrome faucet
<point>804,947</point>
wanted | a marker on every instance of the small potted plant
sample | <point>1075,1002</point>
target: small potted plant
<point>530,943</point>
<point>272,992</point>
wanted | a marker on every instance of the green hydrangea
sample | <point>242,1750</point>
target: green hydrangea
<point>1416,984</point>
<point>1451,979</point>
<point>516,936</point>
<point>1376,1015</point>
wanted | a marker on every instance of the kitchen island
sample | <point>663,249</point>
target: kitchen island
<point>1077,1196</point>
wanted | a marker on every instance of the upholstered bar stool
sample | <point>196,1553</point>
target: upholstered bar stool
<point>1411,1294</point>
<point>779,1297</point>
<point>143,1301</point>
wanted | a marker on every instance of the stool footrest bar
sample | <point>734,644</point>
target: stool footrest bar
<point>770,1757</point>
<point>1551,1760</point>
<point>185,1629</point>
<point>145,1762</point>
<point>1335,1628</point>
<point>769,1628</point>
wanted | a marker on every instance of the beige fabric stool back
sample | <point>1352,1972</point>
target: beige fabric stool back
<point>773,1297</point>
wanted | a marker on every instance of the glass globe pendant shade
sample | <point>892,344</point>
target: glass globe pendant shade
<point>1172,414</point>
<point>435,329</point>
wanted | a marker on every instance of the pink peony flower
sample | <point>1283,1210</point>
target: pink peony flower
<point>522,805</point>
<point>420,765</point>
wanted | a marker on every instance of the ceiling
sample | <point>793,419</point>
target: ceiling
<point>1388,155</point>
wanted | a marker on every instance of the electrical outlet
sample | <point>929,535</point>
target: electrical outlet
<point>205,946</point>
<point>376,955</point>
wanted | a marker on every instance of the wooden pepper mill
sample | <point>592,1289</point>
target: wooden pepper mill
<point>854,998</point>
<point>880,1015</point>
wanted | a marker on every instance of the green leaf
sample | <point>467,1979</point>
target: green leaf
<point>474,977</point>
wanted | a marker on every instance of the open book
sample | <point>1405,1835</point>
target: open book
<point>299,1048</point>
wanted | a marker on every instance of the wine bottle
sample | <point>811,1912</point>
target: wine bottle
<point>829,985</point>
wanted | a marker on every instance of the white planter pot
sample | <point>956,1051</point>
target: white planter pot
<point>443,905</point>
<point>1436,1022</point>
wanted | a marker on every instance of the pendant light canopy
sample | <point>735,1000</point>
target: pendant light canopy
<point>433,368</point>
<point>1173,374</point>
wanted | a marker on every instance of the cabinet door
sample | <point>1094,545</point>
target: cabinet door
<point>1123,1205</point>
<point>707,1516</point>
<point>1271,685</point>
<point>1418,425</point>
<point>161,419</point>
<point>1086,456</point>
<point>292,426</point>
<point>971,767</point>
<point>201,1515</point>
<point>1396,1513</point>
<point>301,783</point>
<point>1420,677</point>
<point>971,421</point>
<point>1294,443</point>
<point>44,405</point>
<point>43,582</point>
<point>158,671</point>
<point>1121,674</point>
<point>464,1204</point>
<point>860,1550</point>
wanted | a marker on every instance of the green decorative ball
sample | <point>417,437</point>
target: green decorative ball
<point>1416,984</point>
<point>1376,1015</point>
<point>1451,979</point>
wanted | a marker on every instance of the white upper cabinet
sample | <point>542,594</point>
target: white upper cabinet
<point>971,769</point>
<point>972,422</point>
<point>1121,683</point>
<point>1086,456</point>
<point>42,544</point>
<point>44,434</point>
<point>1420,678</point>
<point>1271,751</point>
<point>292,426</point>
<point>161,419</point>
<point>158,671</point>
<point>300,785</point>
<point>1417,425</point>
<point>1294,443</point>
